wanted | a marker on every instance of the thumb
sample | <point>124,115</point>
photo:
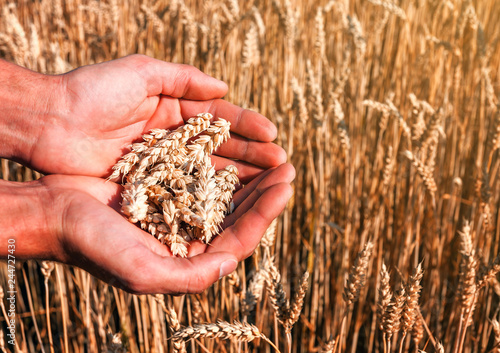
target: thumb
<point>176,80</point>
<point>173,275</point>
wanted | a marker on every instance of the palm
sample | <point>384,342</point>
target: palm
<point>112,104</point>
<point>98,239</point>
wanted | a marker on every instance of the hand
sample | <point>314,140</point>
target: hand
<point>107,106</point>
<point>93,236</point>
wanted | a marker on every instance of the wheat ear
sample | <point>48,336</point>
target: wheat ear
<point>224,330</point>
<point>357,275</point>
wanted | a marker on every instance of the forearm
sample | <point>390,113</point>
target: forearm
<point>24,221</point>
<point>26,103</point>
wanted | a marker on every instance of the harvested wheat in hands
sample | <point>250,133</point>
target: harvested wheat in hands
<point>172,189</point>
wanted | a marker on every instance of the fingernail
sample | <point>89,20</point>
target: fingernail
<point>227,267</point>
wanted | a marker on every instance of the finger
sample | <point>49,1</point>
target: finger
<point>242,238</point>
<point>263,154</point>
<point>166,114</point>
<point>196,247</point>
<point>246,172</point>
<point>244,122</point>
<point>176,80</point>
<point>157,274</point>
<point>243,193</point>
<point>248,195</point>
<point>245,198</point>
<point>107,192</point>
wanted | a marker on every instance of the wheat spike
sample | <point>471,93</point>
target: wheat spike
<point>357,275</point>
<point>115,344</point>
<point>154,19</point>
<point>299,104</point>
<point>496,331</point>
<point>490,273</point>
<point>468,286</point>
<point>277,296</point>
<point>224,330</point>
<point>389,164</point>
<point>251,52</point>
<point>254,291</point>
<point>417,332</point>
<point>411,304</point>
<point>424,172</point>
<point>390,7</point>
<point>173,322</point>
<point>298,300</point>
<point>329,347</point>
<point>496,131</point>
<point>269,237</point>
<point>392,322</point>
<point>319,43</point>
<point>385,296</point>
<point>354,28</point>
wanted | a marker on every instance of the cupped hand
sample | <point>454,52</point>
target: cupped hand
<point>95,237</point>
<point>101,109</point>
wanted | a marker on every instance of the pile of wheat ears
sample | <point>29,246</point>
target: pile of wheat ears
<point>171,187</point>
<point>389,111</point>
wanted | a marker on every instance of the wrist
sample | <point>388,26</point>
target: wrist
<point>28,102</point>
<point>24,221</point>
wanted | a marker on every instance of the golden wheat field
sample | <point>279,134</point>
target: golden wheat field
<point>389,112</point>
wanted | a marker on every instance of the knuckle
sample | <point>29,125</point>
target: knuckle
<point>138,60</point>
<point>138,57</point>
<point>135,285</point>
<point>197,283</point>
<point>249,253</point>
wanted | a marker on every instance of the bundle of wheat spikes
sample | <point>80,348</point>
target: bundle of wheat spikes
<point>172,189</point>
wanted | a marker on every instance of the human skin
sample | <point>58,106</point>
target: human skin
<point>77,126</point>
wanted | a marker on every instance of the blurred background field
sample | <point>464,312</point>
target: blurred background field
<point>390,113</point>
